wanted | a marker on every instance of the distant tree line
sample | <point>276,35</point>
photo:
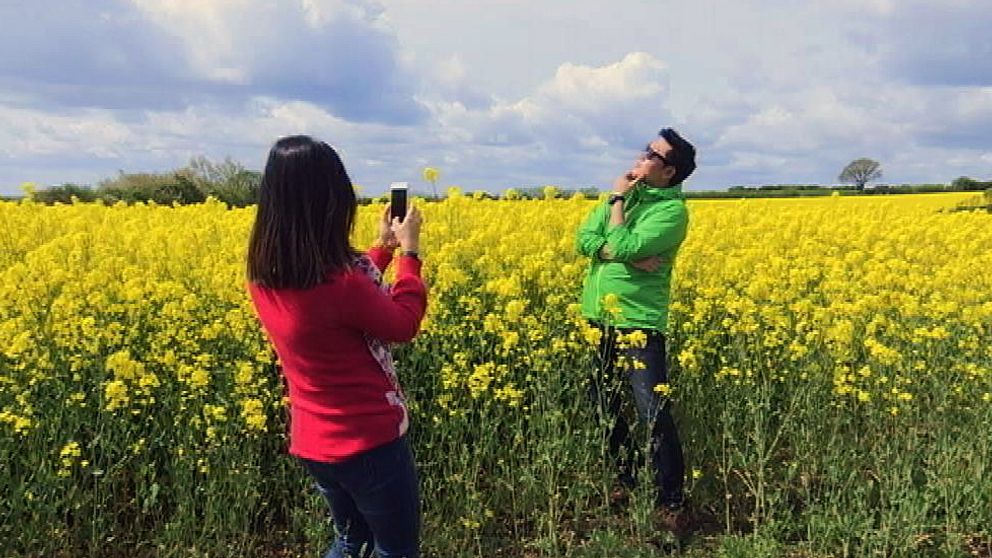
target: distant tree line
<point>966,184</point>
<point>809,190</point>
<point>230,182</point>
<point>227,181</point>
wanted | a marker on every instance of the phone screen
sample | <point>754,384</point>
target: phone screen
<point>397,200</point>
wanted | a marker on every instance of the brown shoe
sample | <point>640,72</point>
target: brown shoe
<point>619,496</point>
<point>675,520</point>
<point>620,491</point>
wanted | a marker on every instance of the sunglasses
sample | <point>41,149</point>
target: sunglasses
<point>650,153</point>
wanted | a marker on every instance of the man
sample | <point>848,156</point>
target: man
<point>632,240</point>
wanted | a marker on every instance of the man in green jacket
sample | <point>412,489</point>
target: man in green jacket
<point>632,240</point>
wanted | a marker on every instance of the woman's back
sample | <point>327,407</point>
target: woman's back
<point>344,400</point>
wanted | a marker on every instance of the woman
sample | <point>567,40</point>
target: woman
<point>329,315</point>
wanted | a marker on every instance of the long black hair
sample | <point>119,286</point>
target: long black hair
<point>306,212</point>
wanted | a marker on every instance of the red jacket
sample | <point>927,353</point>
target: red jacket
<point>343,401</point>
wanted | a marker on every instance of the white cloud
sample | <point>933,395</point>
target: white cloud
<point>211,40</point>
<point>28,133</point>
<point>168,54</point>
<point>935,43</point>
<point>447,82</point>
<point>570,121</point>
<point>580,105</point>
<point>637,77</point>
<point>223,38</point>
<point>811,122</point>
<point>877,7</point>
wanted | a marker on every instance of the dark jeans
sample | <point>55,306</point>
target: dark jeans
<point>654,411</point>
<point>374,500</point>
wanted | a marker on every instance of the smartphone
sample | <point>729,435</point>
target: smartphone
<point>397,200</point>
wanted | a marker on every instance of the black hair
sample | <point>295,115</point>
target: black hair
<point>682,156</point>
<point>306,213</point>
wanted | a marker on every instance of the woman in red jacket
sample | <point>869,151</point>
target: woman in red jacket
<point>330,317</point>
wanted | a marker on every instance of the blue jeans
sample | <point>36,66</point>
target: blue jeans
<point>654,411</point>
<point>374,500</point>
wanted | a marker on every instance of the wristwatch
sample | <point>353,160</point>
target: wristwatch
<point>614,198</point>
<point>411,253</point>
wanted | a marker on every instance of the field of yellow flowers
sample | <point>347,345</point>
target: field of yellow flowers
<point>831,358</point>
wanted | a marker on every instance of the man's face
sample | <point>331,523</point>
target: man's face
<point>652,165</point>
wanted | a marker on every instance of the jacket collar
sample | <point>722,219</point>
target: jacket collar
<point>643,192</point>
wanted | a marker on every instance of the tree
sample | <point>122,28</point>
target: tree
<point>963,183</point>
<point>228,181</point>
<point>860,172</point>
<point>966,184</point>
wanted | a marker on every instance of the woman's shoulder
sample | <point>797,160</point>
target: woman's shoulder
<point>360,273</point>
<point>360,269</point>
<point>332,280</point>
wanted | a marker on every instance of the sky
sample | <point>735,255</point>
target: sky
<point>498,94</point>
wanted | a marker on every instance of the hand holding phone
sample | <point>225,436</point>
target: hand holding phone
<point>407,231</point>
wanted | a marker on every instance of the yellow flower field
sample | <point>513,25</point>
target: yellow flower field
<point>831,362</point>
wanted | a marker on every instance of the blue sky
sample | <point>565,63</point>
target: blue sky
<point>498,94</point>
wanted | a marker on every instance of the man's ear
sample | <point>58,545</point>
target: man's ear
<point>669,173</point>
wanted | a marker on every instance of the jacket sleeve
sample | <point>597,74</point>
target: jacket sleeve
<point>394,316</point>
<point>590,237</point>
<point>658,231</point>
<point>380,256</point>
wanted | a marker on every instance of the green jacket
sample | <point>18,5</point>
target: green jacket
<point>655,224</point>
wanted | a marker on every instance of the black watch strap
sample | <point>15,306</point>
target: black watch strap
<point>614,198</point>
<point>411,254</point>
